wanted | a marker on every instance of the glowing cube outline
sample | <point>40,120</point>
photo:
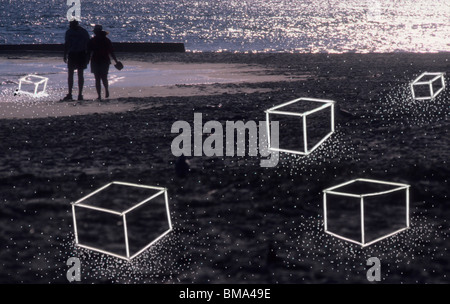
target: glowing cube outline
<point>128,257</point>
<point>362,243</point>
<point>274,110</point>
<point>43,80</point>
<point>417,82</point>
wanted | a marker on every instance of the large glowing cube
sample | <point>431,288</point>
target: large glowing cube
<point>365,211</point>
<point>33,85</point>
<point>427,86</point>
<point>305,123</point>
<point>121,219</point>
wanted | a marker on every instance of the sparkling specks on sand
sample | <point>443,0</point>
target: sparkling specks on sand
<point>253,224</point>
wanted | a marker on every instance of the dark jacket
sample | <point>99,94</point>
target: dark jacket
<point>76,39</point>
<point>100,48</point>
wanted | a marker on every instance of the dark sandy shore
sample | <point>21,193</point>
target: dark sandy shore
<point>235,222</point>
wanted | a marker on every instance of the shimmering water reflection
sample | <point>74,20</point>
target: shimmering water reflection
<point>244,25</point>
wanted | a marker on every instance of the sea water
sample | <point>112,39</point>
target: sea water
<point>333,26</point>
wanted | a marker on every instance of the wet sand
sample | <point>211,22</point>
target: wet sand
<point>234,221</point>
<point>138,79</point>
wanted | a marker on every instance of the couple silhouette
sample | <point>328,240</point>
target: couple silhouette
<point>80,49</point>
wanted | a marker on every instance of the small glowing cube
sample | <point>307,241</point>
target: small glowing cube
<point>365,211</point>
<point>121,219</point>
<point>305,123</point>
<point>427,86</point>
<point>33,85</point>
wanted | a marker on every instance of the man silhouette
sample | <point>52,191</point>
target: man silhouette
<point>75,55</point>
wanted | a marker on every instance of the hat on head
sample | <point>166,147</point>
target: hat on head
<point>98,28</point>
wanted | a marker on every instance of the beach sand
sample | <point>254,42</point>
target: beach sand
<point>234,221</point>
<point>140,79</point>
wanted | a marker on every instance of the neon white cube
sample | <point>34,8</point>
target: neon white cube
<point>33,85</point>
<point>365,211</point>
<point>305,123</point>
<point>121,219</point>
<point>427,86</point>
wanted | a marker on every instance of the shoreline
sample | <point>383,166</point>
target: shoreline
<point>280,60</point>
<point>341,77</point>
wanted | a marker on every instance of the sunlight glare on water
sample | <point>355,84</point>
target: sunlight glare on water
<point>246,25</point>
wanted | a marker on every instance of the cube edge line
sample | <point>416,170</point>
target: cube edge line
<point>128,257</point>
<point>326,103</point>
<point>439,75</point>
<point>43,80</point>
<point>400,186</point>
<point>272,109</point>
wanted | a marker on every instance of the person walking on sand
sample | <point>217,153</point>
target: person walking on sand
<point>100,49</point>
<point>75,55</point>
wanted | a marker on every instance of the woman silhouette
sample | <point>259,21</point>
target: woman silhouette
<point>100,49</point>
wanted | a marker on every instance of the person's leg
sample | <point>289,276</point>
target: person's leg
<point>70,80</point>
<point>98,85</point>
<point>80,83</point>
<point>105,83</point>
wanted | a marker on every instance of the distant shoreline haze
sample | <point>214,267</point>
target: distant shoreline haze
<point>303,26</point>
